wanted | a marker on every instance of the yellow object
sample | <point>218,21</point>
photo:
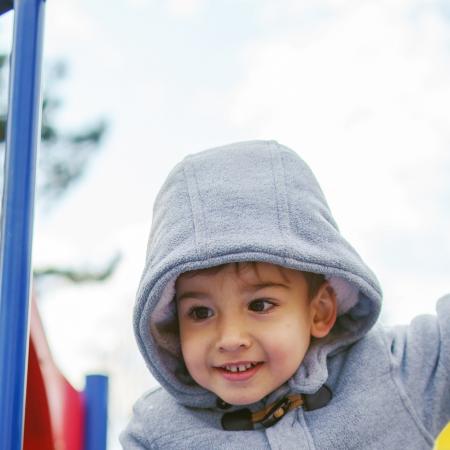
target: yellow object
<point>443,440</point>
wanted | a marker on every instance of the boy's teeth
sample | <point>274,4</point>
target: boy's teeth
<point>238,368</point>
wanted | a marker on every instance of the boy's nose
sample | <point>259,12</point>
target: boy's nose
<point>232,337</point>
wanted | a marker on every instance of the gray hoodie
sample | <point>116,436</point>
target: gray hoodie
<point>258,201</point>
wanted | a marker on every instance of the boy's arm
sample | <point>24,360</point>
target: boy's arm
<point>421,359</point>
<point>135,435</point>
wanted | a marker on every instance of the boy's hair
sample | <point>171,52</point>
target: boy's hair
<point>313,280</point>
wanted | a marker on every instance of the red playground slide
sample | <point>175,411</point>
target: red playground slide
<point>54,411</point>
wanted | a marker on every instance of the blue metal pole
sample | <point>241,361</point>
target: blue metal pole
<point>96,402</point>
<point>17,216</point>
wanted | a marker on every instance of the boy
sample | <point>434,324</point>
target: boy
<point>256,317</point>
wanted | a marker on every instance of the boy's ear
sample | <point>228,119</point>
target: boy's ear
<point>324,311</point>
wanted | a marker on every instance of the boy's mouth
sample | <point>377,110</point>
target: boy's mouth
<point>239,367</point>
<point>240,371</point>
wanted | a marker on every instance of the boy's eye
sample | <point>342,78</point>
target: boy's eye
<point>200,312</point>
<point>260,305</point>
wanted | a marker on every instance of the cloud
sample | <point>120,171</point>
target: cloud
<point>369,88</point>
<point>68,21</point>
<point>184,8</point>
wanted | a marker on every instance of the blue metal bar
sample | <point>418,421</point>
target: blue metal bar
<point>96,414</point>
<point>17,216</point>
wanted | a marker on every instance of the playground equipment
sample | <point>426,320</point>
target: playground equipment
<point>443,440</point>
<point>55,416</point>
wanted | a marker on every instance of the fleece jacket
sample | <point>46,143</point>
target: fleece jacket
<point>259,201</point>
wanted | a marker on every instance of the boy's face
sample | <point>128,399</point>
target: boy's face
<point>244,333</point>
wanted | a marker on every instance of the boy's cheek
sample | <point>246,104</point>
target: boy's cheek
<point>193,350</point>
<point>280,357</point>
<point>191,336</point>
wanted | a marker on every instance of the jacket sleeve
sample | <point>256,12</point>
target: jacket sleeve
<point>135,435</point>
<point>421,367</point>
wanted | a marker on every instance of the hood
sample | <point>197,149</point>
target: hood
<point>248,201</point>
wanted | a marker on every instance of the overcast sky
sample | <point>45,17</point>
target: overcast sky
<point>360,89</point>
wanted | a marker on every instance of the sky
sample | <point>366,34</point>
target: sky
<point>360,89</point>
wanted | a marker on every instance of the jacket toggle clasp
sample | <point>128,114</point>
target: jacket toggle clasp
<point>244,419</point>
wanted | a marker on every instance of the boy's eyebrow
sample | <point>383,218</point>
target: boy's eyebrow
<point>258,286</point>
<point>191,294</point>
<point>251,287</point>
